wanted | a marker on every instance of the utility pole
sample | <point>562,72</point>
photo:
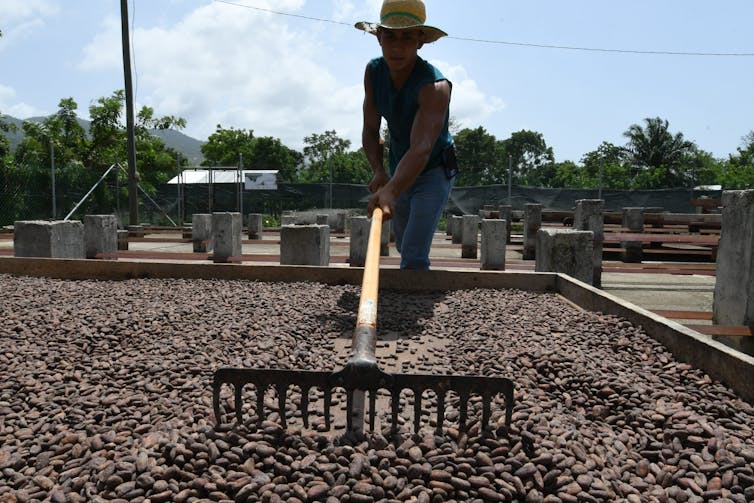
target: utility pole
<point>52,174</point>
<point>133,207</point>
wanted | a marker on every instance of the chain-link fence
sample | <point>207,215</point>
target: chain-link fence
<point>29,196</point>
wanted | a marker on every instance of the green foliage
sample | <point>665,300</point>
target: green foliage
<point>326,157</point>
<point>480,158</point>
<point>225,147</point>
<point>737,172</point>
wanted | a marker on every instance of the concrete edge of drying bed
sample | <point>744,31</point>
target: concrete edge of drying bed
<point>721,362</point>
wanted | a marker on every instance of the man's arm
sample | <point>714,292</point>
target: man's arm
<point>370,137</point>
<point>434,100</point>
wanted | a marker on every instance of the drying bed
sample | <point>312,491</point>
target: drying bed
<point>106,396</point>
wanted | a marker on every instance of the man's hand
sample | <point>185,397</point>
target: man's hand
<point>385,199</point>
<point>379,179</point>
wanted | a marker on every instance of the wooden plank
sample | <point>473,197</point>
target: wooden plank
<point>729,330</point>
<point>684,315</point>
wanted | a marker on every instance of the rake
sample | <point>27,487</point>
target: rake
<point>361,373</point>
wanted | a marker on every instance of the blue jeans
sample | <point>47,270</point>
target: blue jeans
<point>417,212</point>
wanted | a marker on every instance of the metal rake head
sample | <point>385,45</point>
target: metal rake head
<point>369,379</point>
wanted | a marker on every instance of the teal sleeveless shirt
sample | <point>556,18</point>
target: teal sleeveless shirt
<point>399,108</point>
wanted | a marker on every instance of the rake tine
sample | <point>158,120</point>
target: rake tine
<point>216,385</point>
<point>440,413</point>
<point>261,388</point>
<point>486,411</point>
<point>328,399</point>
<point>464,412</point>
<point>372,405</point>
<point>417,409</point>
<point>281,404</point>
<point>349,409</point>
<point>305,406</point>
<point>395,403</point>
<point>239,414</point>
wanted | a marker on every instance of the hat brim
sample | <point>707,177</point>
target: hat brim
<point>431,34</point>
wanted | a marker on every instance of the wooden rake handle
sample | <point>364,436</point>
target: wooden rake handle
<point>364,340</point>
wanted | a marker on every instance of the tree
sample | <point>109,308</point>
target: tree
<point>327,153</point>
<point>269,153</point>
<point>533,160</point>
<point>737,173</point>
<point>658,156</point>
<point>224,146</point>
<point>480,158</point>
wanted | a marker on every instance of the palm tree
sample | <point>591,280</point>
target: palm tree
<point>655,149</point>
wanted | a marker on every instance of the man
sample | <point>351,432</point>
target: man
<point>414,98</point>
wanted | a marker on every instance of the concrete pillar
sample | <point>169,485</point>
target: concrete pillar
<point>532,223</point>
<point>339,225</point>
<point>565,251</point>
<point>506,213</point>
<point>493,244</point>
<point>733,301</point>
<point>322,219</point>
<point>42,238</point>
<point>589,216</point>
<point>633,222</point>
<point>457,229</point>
<point>136,231</point>
<point>201,232</point>
<point>122,239</point>
<point>305,245</point>
<point>385,238</point>
<point>359,239</point>
<point>470,236</point>
<point>100,236</point>
<point>186,232</point>
<point>449,225</point>
<point>288,220</point>
<point>226,237</point>
<point>256,226</point>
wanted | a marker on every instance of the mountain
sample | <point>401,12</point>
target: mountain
<point>186,145</point>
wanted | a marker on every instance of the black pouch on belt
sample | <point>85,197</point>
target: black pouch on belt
<point>449,161</point>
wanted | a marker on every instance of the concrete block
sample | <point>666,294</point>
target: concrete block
<point>470,236</point>
<point>186,232</point>
<point>339,225</point>
<point>449,225</point>
<point>201,232</point>
<point>305,245</point>
<point>256,226</point>
<point>506,213</point>
<point>633,222</point>
<point>288,220</point>
<point>457,229</point>
<point>100,236</point>
<point>385,238</point>
<point>589,216</point>
<point>493,244</point>
<point>565,251</point>
<point>733,301</point>
<point>48,239</point>
<point>122,239</point>
<point>135,231</point>
<point>359,240</point>
<point>532,223</point>
<point>226,237</point>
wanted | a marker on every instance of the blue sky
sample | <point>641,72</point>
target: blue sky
<point>230,63</point>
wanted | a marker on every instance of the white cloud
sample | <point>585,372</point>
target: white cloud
<point>240,68</point>
<point>21,18</point>
<point>469,106</point>
<point>8,105</point>
<point>13,11</point>
<point>104,52</point>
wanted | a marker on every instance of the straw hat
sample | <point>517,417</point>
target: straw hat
<point>403,15</point>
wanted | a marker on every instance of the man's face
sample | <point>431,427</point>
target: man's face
<point>399,47</point>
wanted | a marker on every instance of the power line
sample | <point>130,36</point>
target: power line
<point>516,44</point>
